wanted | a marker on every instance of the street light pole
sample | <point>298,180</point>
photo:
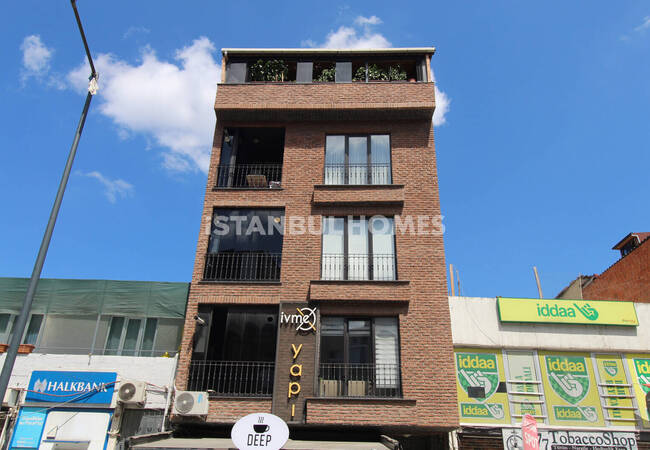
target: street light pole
<point>21,320</point>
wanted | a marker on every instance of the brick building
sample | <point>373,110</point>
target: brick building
<point>339,324</point>
<point>627,279</point>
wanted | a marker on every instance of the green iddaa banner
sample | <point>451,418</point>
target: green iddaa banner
<point>589,312</point>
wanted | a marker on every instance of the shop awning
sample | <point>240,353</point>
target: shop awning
<point>226,444</point>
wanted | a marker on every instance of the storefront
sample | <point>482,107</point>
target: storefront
<point>579,368</point>
<point>65,410</point>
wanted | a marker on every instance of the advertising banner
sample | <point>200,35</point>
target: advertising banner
<point>28,428</point>
<point>480,382</point>
<point>572,440</point>
<point>571,391</point>
<point>521,367</point>
<point>611,374</point>
<point>639,366</point>
<point>71,387</point>
<point>589,312</point>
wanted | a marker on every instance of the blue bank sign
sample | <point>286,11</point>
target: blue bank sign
<point>71,387</point>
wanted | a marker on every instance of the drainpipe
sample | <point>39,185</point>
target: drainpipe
<point>170,392</point>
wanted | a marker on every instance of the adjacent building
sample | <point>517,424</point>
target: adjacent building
<point>627,279</point>
<point>580,368</point>
<point>319,291</point>
<point>96,364</point>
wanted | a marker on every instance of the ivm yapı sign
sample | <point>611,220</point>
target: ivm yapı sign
<point>587,312</point>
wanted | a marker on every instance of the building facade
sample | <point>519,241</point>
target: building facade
<point>627,279</point>
<point>319,291</point>
<point>97,361</point>
<point>583,378</point>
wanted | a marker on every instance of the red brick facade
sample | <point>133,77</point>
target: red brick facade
<point>418,297</point>
<point>627,279</point>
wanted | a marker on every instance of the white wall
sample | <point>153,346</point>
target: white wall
<point>475,323</point>
<point>156,371</point>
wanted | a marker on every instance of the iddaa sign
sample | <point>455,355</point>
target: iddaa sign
<point>260,431</point>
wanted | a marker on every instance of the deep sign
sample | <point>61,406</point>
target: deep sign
<point>260,431</point>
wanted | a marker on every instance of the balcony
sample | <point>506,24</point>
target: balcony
<point>357,267</point>
<point>232,378</point>
<point>249,176</point>
<point>242,266</point>
<point>359,380</point>
<point>357,174</point>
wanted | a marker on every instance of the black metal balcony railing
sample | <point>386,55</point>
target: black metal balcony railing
<point>357,173</point>
<point>244,266</point>
<point>357,267</point>
<point>232,378</point>
<point>249,176</point>
<point>359,380</point>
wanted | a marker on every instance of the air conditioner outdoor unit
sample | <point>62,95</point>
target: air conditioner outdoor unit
<point>191,403</point>
<point>12,397</point>
<point>132,392</point>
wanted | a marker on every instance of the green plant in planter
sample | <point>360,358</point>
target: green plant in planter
<point>327,75</point>
<point>271,70</point>
<point>396,73</point>
<point>360,74</point>
<point>376,73</point>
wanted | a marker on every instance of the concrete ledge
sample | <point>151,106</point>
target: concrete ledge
<point>389,291</point>
<point>386,194</point>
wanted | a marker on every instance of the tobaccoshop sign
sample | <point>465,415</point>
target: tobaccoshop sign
<point>260,431</point>
<point>567,440</point>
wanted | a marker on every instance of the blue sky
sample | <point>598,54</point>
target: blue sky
<point>542,132</point>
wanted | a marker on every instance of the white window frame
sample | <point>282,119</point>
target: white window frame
<point>141,330</point>
<point>4,337</point>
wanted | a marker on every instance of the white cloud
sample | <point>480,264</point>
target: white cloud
<point>442,104</point>
<point>350,37</point>
<point>113,188</point>
<point>363,37</point>
<point>372,20</point>
<point>36,62</point>
<point>135,30</point>
<point>36,56</point>
<point>171,103</point>
<point>644,26</point>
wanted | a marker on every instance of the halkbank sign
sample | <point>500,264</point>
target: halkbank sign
<point>588,312</point>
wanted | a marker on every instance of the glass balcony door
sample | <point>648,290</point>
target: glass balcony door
<point>357,160</point>
<point>355,248</point>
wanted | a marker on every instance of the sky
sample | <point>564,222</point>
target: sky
<point>542,128</point>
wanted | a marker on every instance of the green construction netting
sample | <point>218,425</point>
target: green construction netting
<point>85,297</point>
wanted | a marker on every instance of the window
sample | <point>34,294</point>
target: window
<point>131,336</point>
<point>251,158</point>
<point>355,248</point>
<point>31,333</point>
<point>359,357</point>
<point>245,245</point>
<point>234,351</point>
<point>358,159</point>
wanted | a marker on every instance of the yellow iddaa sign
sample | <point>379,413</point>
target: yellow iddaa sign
<point>589,312</point>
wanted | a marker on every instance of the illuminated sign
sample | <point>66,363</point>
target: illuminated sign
<point>304,320</point>
<point>295,372</point>
<point>591,312</point>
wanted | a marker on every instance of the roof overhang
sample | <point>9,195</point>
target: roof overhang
<point>327,51</point>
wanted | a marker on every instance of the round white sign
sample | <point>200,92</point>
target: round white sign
<point>260,431</point>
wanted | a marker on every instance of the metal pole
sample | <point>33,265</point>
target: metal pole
<point>21,320</point>
<point>539,286</point>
